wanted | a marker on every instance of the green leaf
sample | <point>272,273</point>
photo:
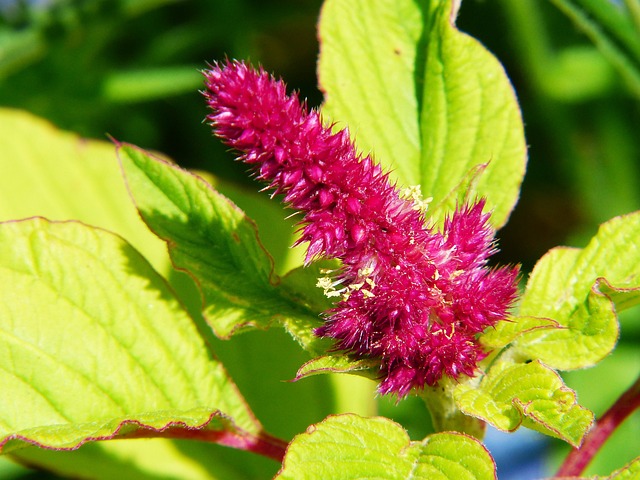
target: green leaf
<point>623,298</point>
<point>82,315</point>
<point>276,226</point>
<point>349,446</point>
<point>511,395</point>
<point>469,117</point>
<point>628,472</point>
<point>337,364</point>
<point>151,84</point>
<point>506,331</point>
<point>58,175</point>
<point>367,70</point>
<point>578,288</point>
<point>432,104</point>
<point>214,242</point>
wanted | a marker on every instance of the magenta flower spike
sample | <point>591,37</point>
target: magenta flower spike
<point>411,296</point>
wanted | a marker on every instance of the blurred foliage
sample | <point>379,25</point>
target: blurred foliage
<point>130,69</point>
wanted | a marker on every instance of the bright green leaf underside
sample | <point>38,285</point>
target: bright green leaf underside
<point>511,395</point>
<point>582,289</point>
<point>218,245</point>
<point>350,446</point>
<point>506,331</point>
<point>337,364</point>
<point>431,103</point>
<point>85,317</point>
<point>147,459</point>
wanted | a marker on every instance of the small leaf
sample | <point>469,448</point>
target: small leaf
<point>214,242</point>
<point>511,395</point>
<point>336,364</point>
<point>622,297</point>
<point>82,315</point>
<point>578,288</point>
<point>349,446</point>
<point>506,331</point>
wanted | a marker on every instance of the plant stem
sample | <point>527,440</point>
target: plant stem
<point>445,416</point>
<point>261,443</point>
<point>578,460</point>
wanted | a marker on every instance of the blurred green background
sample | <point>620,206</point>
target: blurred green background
<point>131,69</point>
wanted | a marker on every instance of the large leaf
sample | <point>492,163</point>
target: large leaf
<point>58,175</point>
<point>350,446</point>
<point>511,395</point>
<point>214,241</point>
<point>95,346</point>
<point>431,103</point>
<point>367,70</point>
<point>62,176</point>
<point>581,289</point>
<point>470,117</point>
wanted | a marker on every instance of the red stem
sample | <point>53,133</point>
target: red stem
<point>261,444</point>
<point>578,460</point>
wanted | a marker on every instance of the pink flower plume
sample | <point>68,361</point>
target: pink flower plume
<point>409,295</point>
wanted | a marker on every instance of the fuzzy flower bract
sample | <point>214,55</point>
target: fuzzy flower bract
<point>412,296</point>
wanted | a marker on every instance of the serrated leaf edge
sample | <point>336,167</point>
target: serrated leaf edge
<point>521,407</point>
<point>274,279</point>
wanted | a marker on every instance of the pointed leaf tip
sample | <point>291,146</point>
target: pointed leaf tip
<point>212,240</point>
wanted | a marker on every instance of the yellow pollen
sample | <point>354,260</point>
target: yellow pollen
<point>414,194</point>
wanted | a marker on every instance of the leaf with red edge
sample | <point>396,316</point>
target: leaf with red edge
<point>217,244</point>
<point>628,472</point>
<point>506,331</point>
<point>93,345</point>
<point>349,446</point>
<point>583,290</point>
<point>533,395</point>
<point>429,102</point>
<point>337,364</point>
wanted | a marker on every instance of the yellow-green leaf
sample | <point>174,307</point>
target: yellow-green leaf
<point>93,345</point>
<point>511,395</point>
<point>348,446</point>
